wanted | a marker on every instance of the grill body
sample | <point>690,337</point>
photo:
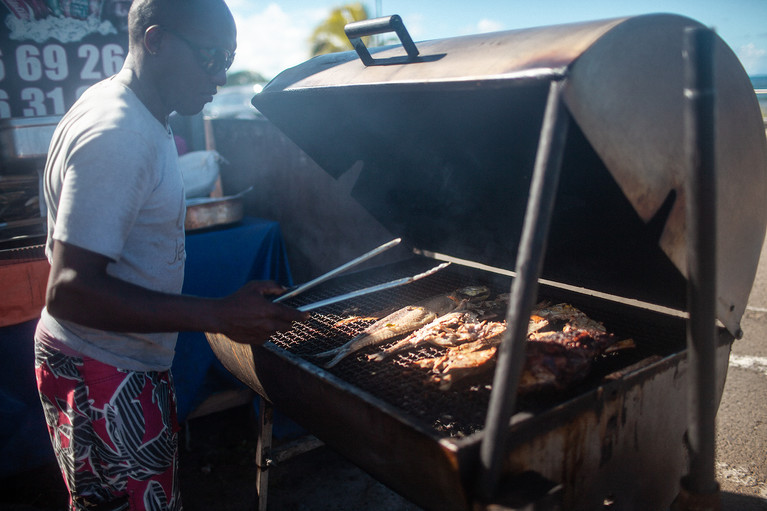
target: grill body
<point>616,436</point>
<point>444,144</point>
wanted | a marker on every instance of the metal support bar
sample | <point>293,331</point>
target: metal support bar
<point>264,450</point>
<point>524,289</point>
<point>700,490</point>
<point>267,456</point>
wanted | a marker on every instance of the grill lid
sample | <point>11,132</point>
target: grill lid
<point>447,140</point>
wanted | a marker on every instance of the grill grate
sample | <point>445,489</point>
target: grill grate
<point>22,254</point>
<point>397,381</point>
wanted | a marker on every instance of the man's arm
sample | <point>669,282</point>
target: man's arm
<point>80,290</point>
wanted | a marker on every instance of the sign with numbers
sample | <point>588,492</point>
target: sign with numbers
<point>52,50</point>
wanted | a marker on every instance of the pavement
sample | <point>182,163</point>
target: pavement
<point>741,438</point>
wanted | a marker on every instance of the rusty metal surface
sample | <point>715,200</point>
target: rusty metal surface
<point>625,447</point>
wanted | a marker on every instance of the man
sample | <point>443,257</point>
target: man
<point>115,199</point>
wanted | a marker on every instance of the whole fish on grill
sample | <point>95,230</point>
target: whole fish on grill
<point>443,331</point>
<point>458,327</point>
<point>400,322</point>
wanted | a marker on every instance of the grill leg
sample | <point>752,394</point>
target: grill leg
<point>264,451</point>
<point>700,489</point>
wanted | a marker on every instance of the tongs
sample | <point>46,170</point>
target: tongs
<point>359,292</point>
<point>371,289</point>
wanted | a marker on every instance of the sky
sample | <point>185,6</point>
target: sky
<point>274,35</point>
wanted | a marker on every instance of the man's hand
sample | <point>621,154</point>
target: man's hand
<point>248,317</point>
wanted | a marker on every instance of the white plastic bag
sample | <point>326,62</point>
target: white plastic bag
<point>199,169</point>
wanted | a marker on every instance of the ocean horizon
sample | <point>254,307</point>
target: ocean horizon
<point>760,83</point>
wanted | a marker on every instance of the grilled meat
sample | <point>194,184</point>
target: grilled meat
<point>561,347</point>
<point>461,362</point>
<point>556,360</point>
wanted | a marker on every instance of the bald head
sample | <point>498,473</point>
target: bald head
<point>185,15</point>
<point>179,53</point>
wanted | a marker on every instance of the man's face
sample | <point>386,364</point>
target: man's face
<point>197,65</point>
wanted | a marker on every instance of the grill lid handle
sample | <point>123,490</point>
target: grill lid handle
<point>357,30</point>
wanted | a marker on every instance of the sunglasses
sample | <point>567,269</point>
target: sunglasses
<point>212,60</point>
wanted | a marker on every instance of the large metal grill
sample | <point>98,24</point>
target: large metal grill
<point>553,152</point>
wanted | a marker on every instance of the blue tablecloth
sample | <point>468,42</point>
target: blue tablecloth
<point>219,261</point>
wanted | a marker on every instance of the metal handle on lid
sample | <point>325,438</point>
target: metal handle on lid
<point>357,30</point>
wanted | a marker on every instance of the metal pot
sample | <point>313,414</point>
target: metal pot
<point>212,212</point>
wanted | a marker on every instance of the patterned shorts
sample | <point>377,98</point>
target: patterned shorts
<point>114,432</point>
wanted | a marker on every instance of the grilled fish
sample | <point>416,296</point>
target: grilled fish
<point>443,331</point>
<point>401,322</point>
<point>459,327</point>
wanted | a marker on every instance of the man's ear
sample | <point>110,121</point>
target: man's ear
<point>153,39</point>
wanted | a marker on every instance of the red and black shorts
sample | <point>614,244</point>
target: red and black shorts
<point>114,432</point>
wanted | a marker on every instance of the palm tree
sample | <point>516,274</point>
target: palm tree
<point>244,78</point>
<point>329,36</point>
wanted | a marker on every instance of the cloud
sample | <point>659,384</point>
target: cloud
<point>753,58</point>
<point>482,26</point>
<point>271,39</point>
<point>415,23</point>
<point>486,25</point>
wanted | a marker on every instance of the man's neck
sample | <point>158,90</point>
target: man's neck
<point>144,91</point>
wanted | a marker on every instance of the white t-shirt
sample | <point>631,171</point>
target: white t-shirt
<point>112,186</point>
